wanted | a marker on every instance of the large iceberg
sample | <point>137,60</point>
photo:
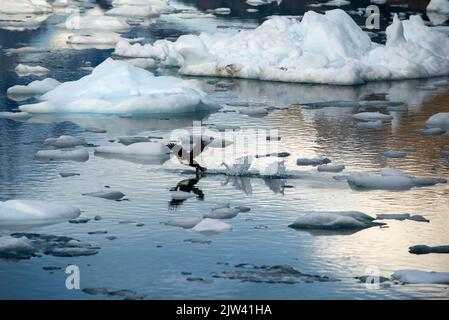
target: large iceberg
<point>117,87</point>
<point>323,48</point>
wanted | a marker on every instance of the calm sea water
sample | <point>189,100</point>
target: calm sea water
<point>154,259</point>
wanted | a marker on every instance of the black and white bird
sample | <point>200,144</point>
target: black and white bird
<point>188,157</point>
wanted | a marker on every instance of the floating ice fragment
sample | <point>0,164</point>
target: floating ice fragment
<point>35,88</point>
<point>418,276</point>
<point>431,132</point>
<point>186,223</point>
<point>109,195</point>
<point>34,212</point>
<point>132,139</point>
<point>64,141</point>
<point>68,174</point>
<point>80,155</point>
<point>439,120</point>
<point>378,124</point>
<point>25,70</point>
<point>312,161</point>
<point>334,220</point>
<point>331,168</point>
<point>223,213</point>
<point>394,154</point>
<point>212,226</point>
<point>16,248</point>
<point>17,116</point>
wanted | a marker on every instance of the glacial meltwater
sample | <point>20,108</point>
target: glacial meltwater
<point>139,225</point>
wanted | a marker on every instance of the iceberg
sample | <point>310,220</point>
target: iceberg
<point>419,276</point>
<point>334,220</point>
<point>327,48</point>
<point>34,212</point>
<point>372,116</point>
<point>117,87</point>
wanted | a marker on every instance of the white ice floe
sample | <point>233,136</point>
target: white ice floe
<point>21,50</point>
<point>146,149</point>
<point>118,87</point>
<point>337,3</point>
<point>186,223</point>
<point>223,213</point>
<point>439,120</point>
<point>273,169</point>
<point>322,48</point>
<point>35,88</point>
<point>97,38</point>
<point>419,276</point>
<point>149,8</point>
<point>25,70</point>
<point>25,6</point>
<point>333,220</point>
<point>394,154</point>
<point>181,195</point>
<point>389,179</point>
<point>378,124</point>
<point>331,168</point>
<point>64,141</point>
<point>212,226</point>
<point>80,155</point>
<point>96,22</point>
<point>441,6</point>
<point>240,166</point>
<point>22,22</point>
<point>29,212</point>
<point>312,161</point>
<point>18,116</point>
<point>372,116</point>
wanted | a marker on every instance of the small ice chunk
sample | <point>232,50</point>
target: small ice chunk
<point>95,130</point>
<point>212,226</point>
<point>68,174</point>
<point>372,116</point>
<point>439,120</point>
<point>181,195</point>
<point>331,168</point>
<point>186,223</point>
<point>132,139</point>
<point>223,213</point>
<point>382,182</point>
<point>35,88</point>
<point>334,220</point>
<point>80,155</point>
<point>29,212</point>
<point>394,154</point>
<point>25,70</point>
<point>378,124</point>
<point>254,111</point>
<point>273,169</point>
<point>423,249</point>
<point>418,276</point>
<point>15,248</point>
<point>65,141</point>
<point>312,161</point>
<point>17,116</point>
<point>431,132</point>
<point>109,195</point>
<point>136,149</point>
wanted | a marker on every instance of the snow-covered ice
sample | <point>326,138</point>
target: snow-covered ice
<point>117,87</point>
<point>212,226</point>
<point>25,6</point>
<point>322,48</point>
<point>26,70</point>
<point>35,88</point>
<point>333,220</point>
<point>64,141</point>
<point>372,116</point>
<point>419,276</point>
<point>80,155</point>
<point>29,212</point>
